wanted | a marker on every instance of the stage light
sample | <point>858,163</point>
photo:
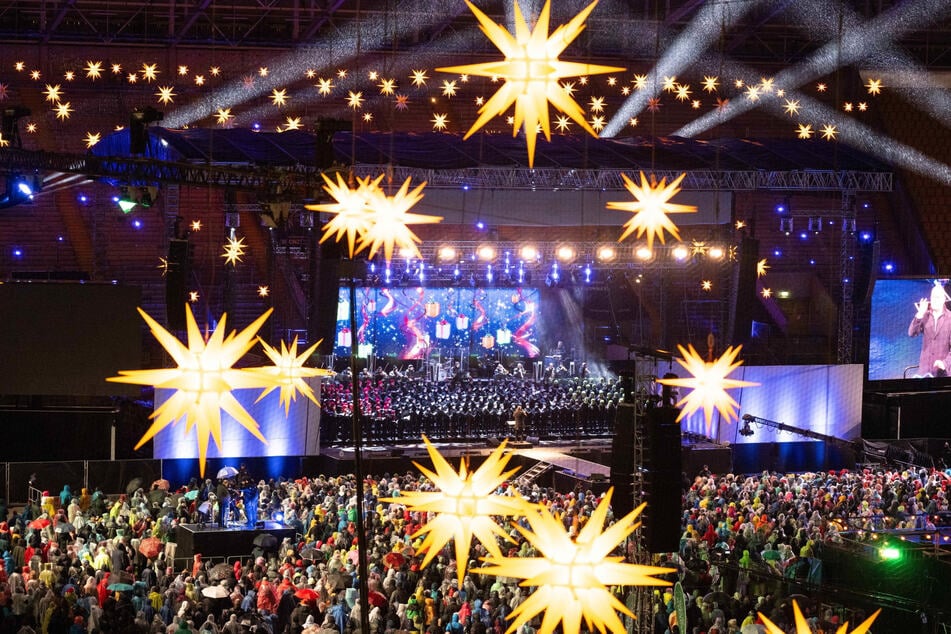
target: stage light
<point>777,253</point>
<point>889,553</point>
<point>606,253</point>
<point>786,225</point>
<point>17,252</point>
<point>643,253</point>
<point>480,226</point>
<point>83,198</point>
<point>587,274</point>
<point>565,253</point>
<point>866,236</point>
<point>780,209</point>
<point>803,235</point>
<point>486,252</point>
<point>888,267</point>
<point>488,273</point>
<point>680,253</point>
<point>783,294</point>
<point>716,253</point>
<point>529,253</point>
<point>137,223</point>
<point>815,224</point>
<point>278,517</point>
<point>447,254</point>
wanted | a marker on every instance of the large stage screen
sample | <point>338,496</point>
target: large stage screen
<point>892,352</point>
<point>412,322</point>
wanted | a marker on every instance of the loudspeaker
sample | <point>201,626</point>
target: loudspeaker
<point>176,275</point>
<point>663,443</point>
<point>622,460</point>
<point>662,481</point>
<point>745,290</point>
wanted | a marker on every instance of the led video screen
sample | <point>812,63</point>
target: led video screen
<point>410,323</point>
<point>897,340</point>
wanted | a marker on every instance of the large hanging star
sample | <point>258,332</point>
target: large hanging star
<point>650,208</point>
<point>352,208</point>
<point>802,626</point>
<point>234,249</point>
<point>572,577</point>
<point>709,382</point>
<point>288,372</point>
<point>203,380</point>
<point>532,72</point>
<point>390,219</point>
<point>464,505</point>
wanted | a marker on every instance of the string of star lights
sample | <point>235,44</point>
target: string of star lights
<point>708,383</point>
<point>650,207</point>
<point>531,70</point>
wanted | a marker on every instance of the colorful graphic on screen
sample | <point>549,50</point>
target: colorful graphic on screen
<point>897,340</point>
<point>409,323</point>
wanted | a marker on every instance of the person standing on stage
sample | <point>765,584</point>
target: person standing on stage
<point>224,502</point>
<point>521,418</point>
<point>933,322</point>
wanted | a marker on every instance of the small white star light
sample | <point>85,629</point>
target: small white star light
<point>203,380</point>
<point>532,72</point>
<point>650,208</point>
<point>464,505</point>
<point>234,249</point>
<point>572,576</point>
<point>761,268</point>
<point>708,383</point>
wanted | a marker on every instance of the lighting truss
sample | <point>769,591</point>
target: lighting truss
<point>556,179</point>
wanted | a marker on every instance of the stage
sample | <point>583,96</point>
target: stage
<point>213,541</point>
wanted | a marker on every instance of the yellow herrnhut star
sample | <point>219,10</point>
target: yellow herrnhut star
<point>650,208</point>
<point>440,121</point>
<point>354,99</point>
<point>196,225</point>
<point>670,84</point>
<point>234,249</point>
<point>829,132</point>
<point>183,70</point>
<point>761,268</point>
<point>263,291</point>
<point>93,70</point>
<point>572,576</point>
<point>419,78</point>
<point>292,123</point>
<point>683,92</point>
<point>804,131</point>
<point>562,123</point>
<point>874,86</point>
<point>710,84</point>
<point>464,505</point>
<point>708,383</point>
<point>802,626</point>
<point>448,88</point>
<point>706,285</point>
<point>596,104</point>
<point>352,208</point>
<point>166,94</point>
<point>324,86</point>
<point>279,97</point>
<point>63,110</point>
<point>203,380</point>
<point>388,226</point>
<point>766,293</point>
<point>792,107</point>
<point>387,86</point>
<point>223,116</point>
<point>92,138</point>
<point>640,82</point>
<point>149,72</point>
<point>288,372</point>
<point>532,72</point>
<point>52,93</point>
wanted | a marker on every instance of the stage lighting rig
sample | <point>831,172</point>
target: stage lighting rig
<point>746,430</point>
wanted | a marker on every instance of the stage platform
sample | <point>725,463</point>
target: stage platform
<point>232,541</point>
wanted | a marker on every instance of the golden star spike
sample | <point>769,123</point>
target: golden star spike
<point>532,72</point>
<point>464,505</point>
<point>288,372</point>
<point>91,139</point>
<point>352,208</point>
<point>63,110</point>
<point>324,86</point>
<point>874,86</point>
<point>234,249</point>
<point>572,576</point>
<point>708,383</point>
<point>419,78</point>
<point>52,92</point>
<point>829,132</point>
<point>388,226</point>
<point>166,94</point>
<point>792,107</point>
<point>761,268</point>
<point>804,131</point>
<point>149,72</point>
<point>163,266</point>
<point>279,97</point>
<point>203,380</point>
<point>93,70</point>
<point>802,626</point>
<point>710,84</point>
<point>650,208</point>
<point>223,116</point>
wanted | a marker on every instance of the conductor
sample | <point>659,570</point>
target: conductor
<point>521,418</point>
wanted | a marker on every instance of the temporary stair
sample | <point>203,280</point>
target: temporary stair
<point>533,474</point>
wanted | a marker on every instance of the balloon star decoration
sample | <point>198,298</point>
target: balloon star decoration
<point>572,576</point>
<point>464,505</point>
<point>532,72</point>
<point>709,384</point>
<point>288,372</point>
<point>650,208</point>
<point>379,220</point>
<point>205,377</point>
<point>802,626</point>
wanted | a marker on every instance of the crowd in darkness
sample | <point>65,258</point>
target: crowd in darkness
<point>401,408</point>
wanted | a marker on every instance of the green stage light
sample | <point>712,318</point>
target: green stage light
<point>126,205</point>
<point>889,553</point>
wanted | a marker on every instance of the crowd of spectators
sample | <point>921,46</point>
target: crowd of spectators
<point>401,408</point>
<point>77,563</point>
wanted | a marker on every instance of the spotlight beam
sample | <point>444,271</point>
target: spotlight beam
<point>855,44</point>
<point>686,48</point>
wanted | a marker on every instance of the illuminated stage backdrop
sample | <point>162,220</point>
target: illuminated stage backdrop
<point>826,399</point>
<point>405,322</point>
<point>297,434</point>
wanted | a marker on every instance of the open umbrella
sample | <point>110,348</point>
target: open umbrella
<point>64,527</point>
<point>306,594</point>
<point>204,507</point>
<point>150,547</point>
<point>134,485</point>
<point>393,560</point>
<point>717,597</point>
<point>220,572</point>
<point>39,523</point>
<point>215,592</point>
<point>226,472</point>
<point>161,483</point>
<point>265,541</point>
<point>119,587</point>
<point>191,495</point>
<point>376,599</point>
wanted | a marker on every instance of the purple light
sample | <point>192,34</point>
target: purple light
<point>803,235</point>
<point>465,188</point>
<point>888,267</point>
<point>866,236</point>
<point>115,199</point>
<point>777,253</point>
<point>17,252</point>
<point>480,225</point>
<point>83,198</point>
<point>60,239</point>
<point>137,223</point>
<point>780,209</point>
<point>256,126</point>
<point>812,261</point>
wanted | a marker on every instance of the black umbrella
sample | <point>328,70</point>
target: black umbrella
<point>265,541</point>
<point>220,572</point>
<point>64,527</point>
<point>134,485</point>
<point>157,496</point>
